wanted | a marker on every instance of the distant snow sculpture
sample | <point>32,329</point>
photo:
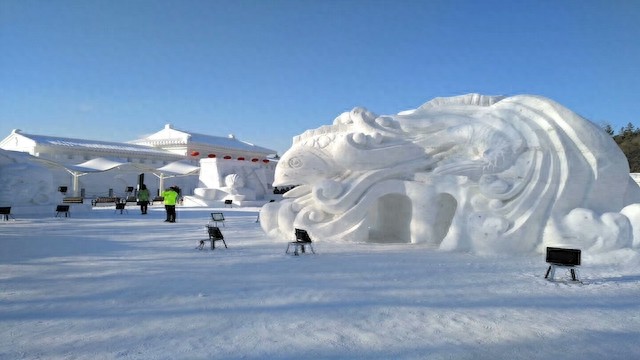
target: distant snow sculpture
<point>475,173</point>
<point>235,186</point>
<point>24,183</point>
<point>236,180</point>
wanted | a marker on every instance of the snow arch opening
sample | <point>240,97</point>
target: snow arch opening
<point>390,219</point>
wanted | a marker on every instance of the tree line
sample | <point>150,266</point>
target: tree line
<point>628,139</point>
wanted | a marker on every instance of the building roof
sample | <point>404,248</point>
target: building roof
<point>170,135</point>
<point>97,145</point>
<point>151,145</point>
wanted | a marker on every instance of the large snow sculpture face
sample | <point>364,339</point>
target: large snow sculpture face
<point>471,172</point>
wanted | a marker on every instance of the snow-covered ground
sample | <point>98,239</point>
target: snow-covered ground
<point>100,285</point>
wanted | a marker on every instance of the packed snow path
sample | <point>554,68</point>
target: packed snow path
<point>101,285</point>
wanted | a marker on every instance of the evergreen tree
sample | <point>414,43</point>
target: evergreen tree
<point>628,139</point>
<point>608,129</point>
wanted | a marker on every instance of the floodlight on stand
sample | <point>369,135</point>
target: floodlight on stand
<point>560,257</point>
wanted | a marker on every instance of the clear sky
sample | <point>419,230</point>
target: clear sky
<point>268,70</point>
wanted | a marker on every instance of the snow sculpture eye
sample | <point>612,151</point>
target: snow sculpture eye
<point>295,162</point>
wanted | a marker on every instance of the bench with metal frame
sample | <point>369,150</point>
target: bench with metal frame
<point>104,200</point>
<point>214,235</point>
<point>302,240</point>
<point>73,200</point>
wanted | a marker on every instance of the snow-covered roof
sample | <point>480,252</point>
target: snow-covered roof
<point>229,142</point>
<point>171,135</point>
<point>56,141</point>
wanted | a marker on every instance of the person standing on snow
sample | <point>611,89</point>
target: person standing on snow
<point>143,198</point>
<point>170,198</point>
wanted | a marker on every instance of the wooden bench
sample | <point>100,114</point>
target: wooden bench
<point>73,200</point>
<point>104,200</point>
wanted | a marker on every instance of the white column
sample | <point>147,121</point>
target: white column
<point>76,184</point>
<point>161,183</point>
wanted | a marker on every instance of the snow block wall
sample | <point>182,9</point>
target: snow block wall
<point>474,173</point>
<point>24,182</point>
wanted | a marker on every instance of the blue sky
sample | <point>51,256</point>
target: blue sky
<point>268,70</point>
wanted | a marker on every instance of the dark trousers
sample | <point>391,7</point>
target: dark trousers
<point>143,206</point>
<point>171,212</point>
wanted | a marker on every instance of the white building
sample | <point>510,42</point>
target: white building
<point>147,156</point>
<point>197,146</point>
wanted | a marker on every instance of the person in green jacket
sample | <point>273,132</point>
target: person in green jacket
<point>143,198</point>
<point>170,198</point>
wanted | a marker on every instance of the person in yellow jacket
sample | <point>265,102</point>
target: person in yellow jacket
<point>170,198</point>
<point>143,199</point>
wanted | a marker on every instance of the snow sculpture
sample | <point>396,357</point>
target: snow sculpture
<point>235,185</point>
<point>475,173</point>
<point>237,180</point>
<point>26,184</point>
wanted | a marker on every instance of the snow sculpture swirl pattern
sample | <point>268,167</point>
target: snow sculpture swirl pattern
<point>473,172</point>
